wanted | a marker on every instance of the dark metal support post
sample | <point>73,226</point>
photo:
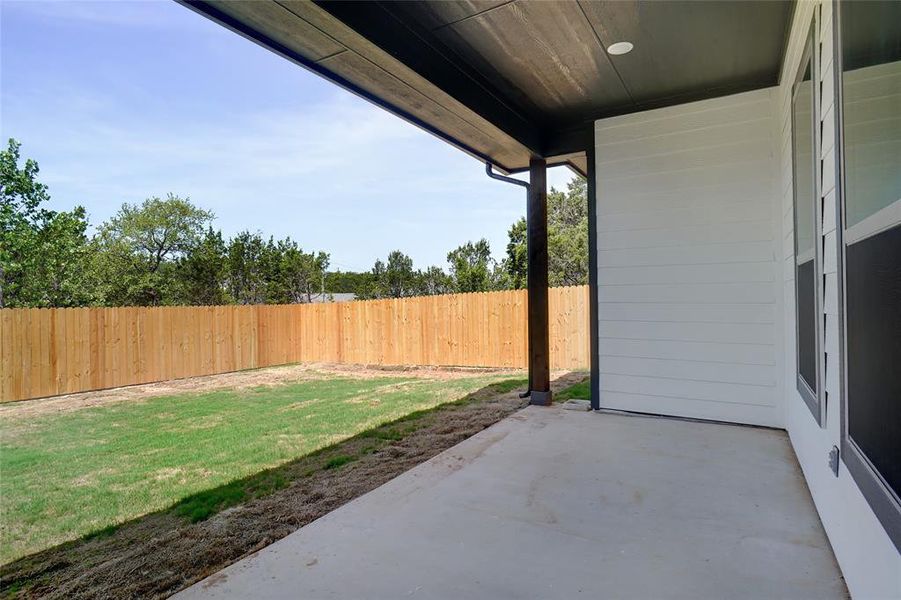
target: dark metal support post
<point>593,324</point>
<point>539,345</point>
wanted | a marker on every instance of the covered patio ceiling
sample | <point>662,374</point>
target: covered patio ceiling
<point>509,80</point>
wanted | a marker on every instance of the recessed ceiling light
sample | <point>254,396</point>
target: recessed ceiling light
<point>619,48</point>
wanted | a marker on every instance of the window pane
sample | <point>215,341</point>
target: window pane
<point>807,322</point>
<point>874,351</point>
<point>802,118</point>
<point>871,103</point>
<point>804,187</point>
<point>871,109</point>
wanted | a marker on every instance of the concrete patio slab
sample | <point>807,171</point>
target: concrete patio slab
<point>552,503</point>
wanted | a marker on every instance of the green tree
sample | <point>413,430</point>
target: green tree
<point>246,276</point>
<point>433,281</point>
<point>471,267</point>
<point>515,266</point>
<point>376,287</point>
<point>301,275</point>
<point>42,252</point>
<point>568,235</point>
<point>116,272</point>
<point>567,240</point>
<point>400,280</point>
<point>394,279</point>
<point>348,282</point>
<point>202,272</point>
<point>61,271</point>
<point>142,244</point>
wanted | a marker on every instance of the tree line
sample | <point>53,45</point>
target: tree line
<point>165,251</point>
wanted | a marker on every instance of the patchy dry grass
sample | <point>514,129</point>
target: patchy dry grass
<point>82,472</point>
<point>158,554</point>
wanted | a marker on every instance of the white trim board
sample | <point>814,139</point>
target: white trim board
<point>882,220</point>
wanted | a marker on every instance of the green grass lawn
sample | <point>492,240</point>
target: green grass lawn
<point>71,474</point>
<point>579,391</point>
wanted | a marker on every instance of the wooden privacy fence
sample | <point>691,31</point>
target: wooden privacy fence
<point>51,351</point>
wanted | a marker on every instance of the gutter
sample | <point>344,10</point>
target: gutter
<point>527,185</point>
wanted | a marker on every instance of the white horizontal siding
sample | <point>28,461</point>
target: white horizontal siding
<point>722,212</point>
<point>708,196</point>
<point>711,272</point>
<point>734,353</point>
<point>695,254</point>
<point>689,331</point>
<point>691,389</point>
<point>676,141</point>
<point>727,170</point>
<point>687,263</point>
<point>683,119</point>
<point>691,293</point>
<point>691,408</point>
<point>869,561</point>
<point>687,313</point>
<point>688,235</point>
<point>696,370</point>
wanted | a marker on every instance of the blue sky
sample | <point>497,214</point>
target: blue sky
<point>119,101</point>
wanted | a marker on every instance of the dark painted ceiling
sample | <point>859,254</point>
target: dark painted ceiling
<point>508,79</point>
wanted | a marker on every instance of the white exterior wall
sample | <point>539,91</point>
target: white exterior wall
<point>696,282</point>
<point>688,260</point>
<point>869,561</point>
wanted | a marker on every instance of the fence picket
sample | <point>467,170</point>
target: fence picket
<point>67,350</point>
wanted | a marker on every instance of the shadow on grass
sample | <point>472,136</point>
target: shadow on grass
<point>202,505</point>
<point>31,574</point>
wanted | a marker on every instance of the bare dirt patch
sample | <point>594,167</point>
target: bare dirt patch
<point>269,376</point>
<point>157,555</point>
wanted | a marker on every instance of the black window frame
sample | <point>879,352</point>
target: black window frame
<point>884,502</point>
<point>811,396</point>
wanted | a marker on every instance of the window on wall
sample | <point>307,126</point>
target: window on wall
<point>870,131</point>
<point>806,199</point>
